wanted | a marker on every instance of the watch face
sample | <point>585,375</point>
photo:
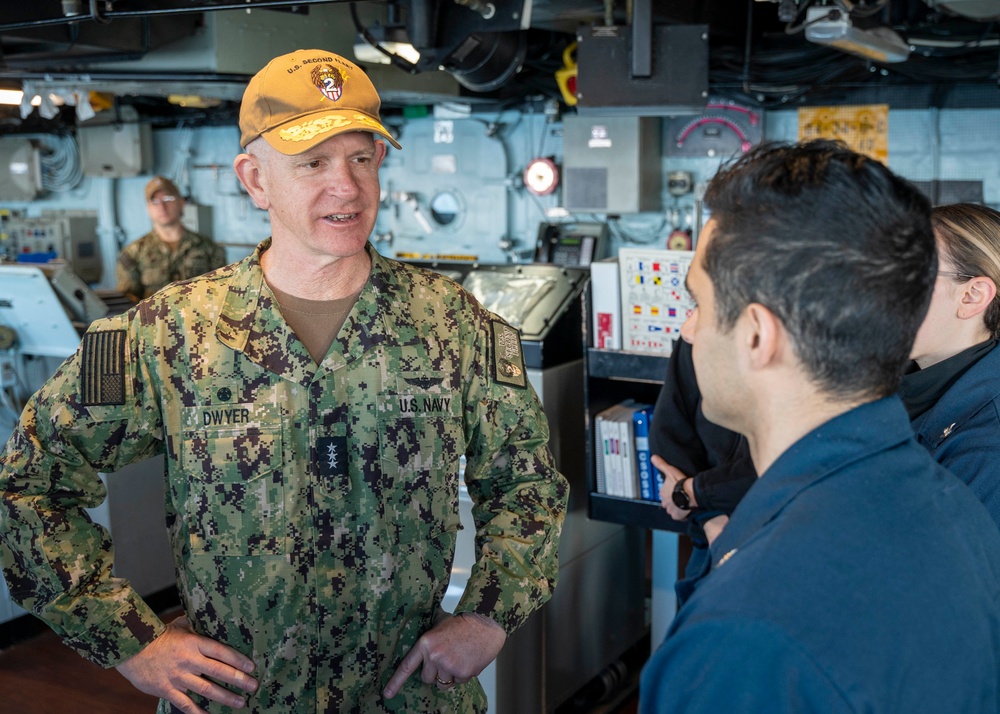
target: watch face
<point>680,497</point>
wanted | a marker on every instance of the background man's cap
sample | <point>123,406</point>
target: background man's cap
<point>161,183</point>
<point>303,98</point>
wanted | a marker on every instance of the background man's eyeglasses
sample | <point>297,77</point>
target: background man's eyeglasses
<point>162,199</point>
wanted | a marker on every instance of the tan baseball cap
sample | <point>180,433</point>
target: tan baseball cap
<point>303,98</point>
<point>161,183</point>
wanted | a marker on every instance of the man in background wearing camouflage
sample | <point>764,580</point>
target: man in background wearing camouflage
<point>169,252</point>
<point>313,401</point>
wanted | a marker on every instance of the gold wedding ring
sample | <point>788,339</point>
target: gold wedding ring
<point>444,683</point>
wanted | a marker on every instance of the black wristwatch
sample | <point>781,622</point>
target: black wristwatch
<point>680,497</point>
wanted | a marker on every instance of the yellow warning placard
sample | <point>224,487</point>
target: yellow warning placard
<point>864,128</point>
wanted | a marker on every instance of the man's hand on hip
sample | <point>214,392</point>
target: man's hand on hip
<point>181,661</point>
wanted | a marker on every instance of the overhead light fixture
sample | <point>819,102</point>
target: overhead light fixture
<point>832,26</point>
<point>56,99</point>
<point>391,39</point>
<point>14,97</point>
<point>11,97</point>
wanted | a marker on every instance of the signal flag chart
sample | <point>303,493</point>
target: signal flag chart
<point>654,301</point>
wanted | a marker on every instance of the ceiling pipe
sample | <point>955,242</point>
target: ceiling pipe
<point>121,76</point>
<point>112,14</point>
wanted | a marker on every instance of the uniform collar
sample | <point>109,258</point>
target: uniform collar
<point>845,439</point>
<point>921,389</point>
<point>251,321</point>
<point>366,326</point>
<point>977,386</point>
<point>186,237</point>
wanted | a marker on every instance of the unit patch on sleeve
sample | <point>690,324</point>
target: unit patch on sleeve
<point>508,357</point>
<point>102,379</point>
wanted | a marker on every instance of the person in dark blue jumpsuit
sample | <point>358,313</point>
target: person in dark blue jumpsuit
<point>857,574</point>
<point>951,388</point>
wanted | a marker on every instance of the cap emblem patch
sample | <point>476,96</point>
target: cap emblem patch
<point>329,80</point>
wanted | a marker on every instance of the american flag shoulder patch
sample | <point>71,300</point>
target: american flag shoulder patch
<point>103,370</point>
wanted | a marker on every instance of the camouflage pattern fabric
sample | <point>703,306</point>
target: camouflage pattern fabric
<point>313,510</point>
<point>146,265</point>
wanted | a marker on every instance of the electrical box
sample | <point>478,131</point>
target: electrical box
<point>116,149</point>
<point>612,164</point>
<point>677,79</point>
<point>197,218</point>
<point>20,170</point>
<point>70,235</point>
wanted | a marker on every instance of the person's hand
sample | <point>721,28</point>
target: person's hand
<point>671,475</point>
<point>452,652</point>
<point>180,661</point>
<point>713,527</point>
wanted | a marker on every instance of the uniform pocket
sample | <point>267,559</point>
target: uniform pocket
<point>420,443</point>
<point>235,502</point>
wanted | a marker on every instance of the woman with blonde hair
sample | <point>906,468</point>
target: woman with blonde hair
<point>952,390</point>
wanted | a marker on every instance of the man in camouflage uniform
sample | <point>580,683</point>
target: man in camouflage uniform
<point>312,482</point>
<point>169,252</point>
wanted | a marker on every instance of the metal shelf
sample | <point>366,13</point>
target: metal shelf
<point>631,512</point>
<point>629,366</point>
<point>645,371</point>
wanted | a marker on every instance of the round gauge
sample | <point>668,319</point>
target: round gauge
<point>7,338</point>
<point>541,177</point>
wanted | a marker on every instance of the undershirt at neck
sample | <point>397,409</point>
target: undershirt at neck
<point>922,388</point>
<point>315,322</point>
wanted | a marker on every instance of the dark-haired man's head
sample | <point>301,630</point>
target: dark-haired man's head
<point>836,246</point>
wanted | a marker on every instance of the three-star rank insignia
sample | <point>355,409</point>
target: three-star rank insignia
<point>508,357</point>
<point>331,456</point>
